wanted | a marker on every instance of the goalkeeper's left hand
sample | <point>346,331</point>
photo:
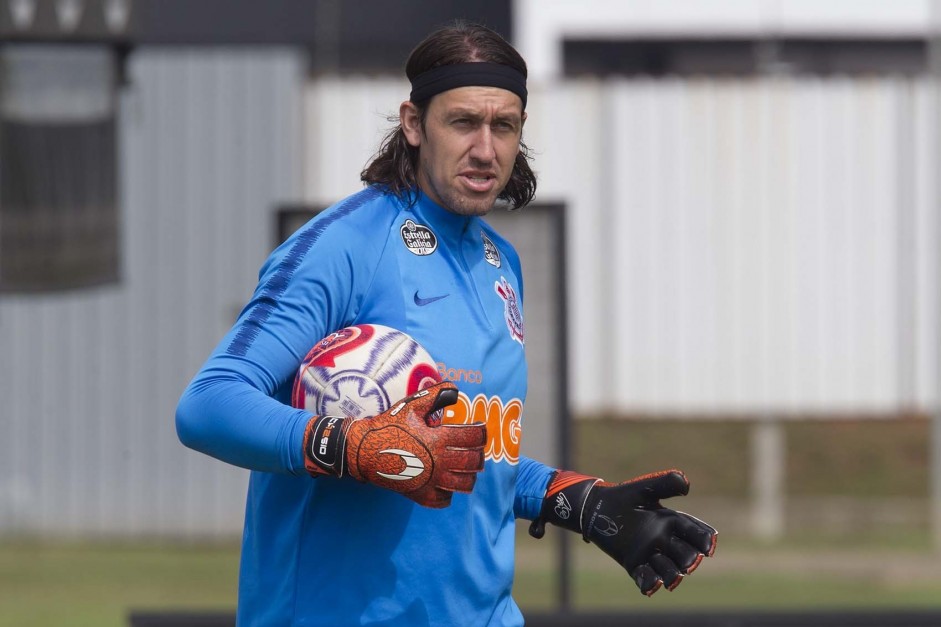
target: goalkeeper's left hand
<point>657,546</point>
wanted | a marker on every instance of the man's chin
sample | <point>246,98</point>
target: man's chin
<point>470,206</point>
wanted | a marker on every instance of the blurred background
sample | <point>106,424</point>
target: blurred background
<point>732,267</point>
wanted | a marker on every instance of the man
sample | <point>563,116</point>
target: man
<point>330,541</point>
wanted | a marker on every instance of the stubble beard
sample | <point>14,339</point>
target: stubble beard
<point>463,204</point>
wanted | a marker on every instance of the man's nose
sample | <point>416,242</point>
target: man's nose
<point>482,148</point>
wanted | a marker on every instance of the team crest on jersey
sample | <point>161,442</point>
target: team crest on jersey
<point>418,238</point>
<point>511,309</point>
<point>491,253</point>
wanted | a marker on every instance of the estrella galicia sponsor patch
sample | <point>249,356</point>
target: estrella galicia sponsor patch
<point>418,238</point>
<point>491,252</point>
<point>511,308</point>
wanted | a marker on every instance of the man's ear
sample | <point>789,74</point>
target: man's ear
<point>410,119</point>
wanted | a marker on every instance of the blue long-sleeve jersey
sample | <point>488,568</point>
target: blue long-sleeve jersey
<point>332,551</point>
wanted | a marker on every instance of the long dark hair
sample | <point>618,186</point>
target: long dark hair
<point>395,163</point>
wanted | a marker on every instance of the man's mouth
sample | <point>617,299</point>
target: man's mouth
<point>479,182</point>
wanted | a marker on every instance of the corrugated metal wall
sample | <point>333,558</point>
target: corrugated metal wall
<point>90,379</point>
<point>761,245</point>
<point>756,256</point>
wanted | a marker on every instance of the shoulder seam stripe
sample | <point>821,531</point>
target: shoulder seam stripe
<point>266,299</point>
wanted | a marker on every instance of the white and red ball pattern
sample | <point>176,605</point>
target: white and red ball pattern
<point>360,371</point>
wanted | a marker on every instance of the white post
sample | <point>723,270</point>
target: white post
<point>934,68</point>
<point>767,480</point>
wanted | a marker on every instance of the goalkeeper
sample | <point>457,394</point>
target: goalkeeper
<point>337,534</point>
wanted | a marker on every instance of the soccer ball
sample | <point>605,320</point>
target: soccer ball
<point>360,371</point>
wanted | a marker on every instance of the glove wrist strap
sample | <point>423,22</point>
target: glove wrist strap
<point>325,445</point>
<point>564,503</point>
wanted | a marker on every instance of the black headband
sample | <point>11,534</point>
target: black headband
<point>445,77</point>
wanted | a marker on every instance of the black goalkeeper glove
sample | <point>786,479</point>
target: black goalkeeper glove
<point>657,546</point>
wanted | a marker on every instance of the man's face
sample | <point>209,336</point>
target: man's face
<point>468,146</point>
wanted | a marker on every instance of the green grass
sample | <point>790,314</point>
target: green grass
<point>621,449</point>
<point>869,566</point>
<point>767,591</point>
<point>865,458</point>
<point>801,572</point>
<point>96,584</point>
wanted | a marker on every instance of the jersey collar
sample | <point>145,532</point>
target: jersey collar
<point>445,223</point>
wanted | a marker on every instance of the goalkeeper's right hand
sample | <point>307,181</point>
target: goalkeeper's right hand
<point>405,449</point>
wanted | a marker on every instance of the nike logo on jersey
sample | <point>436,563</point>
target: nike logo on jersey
<point>421,302</point>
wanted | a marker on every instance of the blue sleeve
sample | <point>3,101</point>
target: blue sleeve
<point>532,481</point>
<point>237,408</point>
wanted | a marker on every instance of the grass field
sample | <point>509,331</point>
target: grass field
<point>97,585</point>
<point>800,574</point>
<point>862,468</point>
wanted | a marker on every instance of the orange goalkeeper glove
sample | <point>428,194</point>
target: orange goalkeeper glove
<point>405,449</point>
<point>657,546</point>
